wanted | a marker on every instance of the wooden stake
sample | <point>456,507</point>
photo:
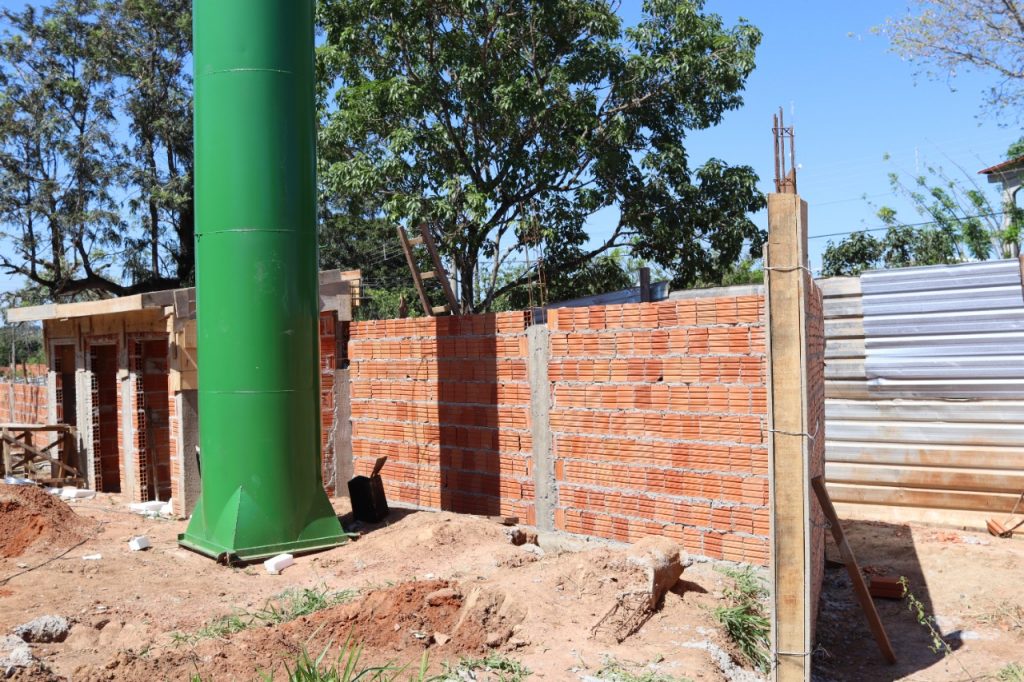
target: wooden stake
<point>859,587</point>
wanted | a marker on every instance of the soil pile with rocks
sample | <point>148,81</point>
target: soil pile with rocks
<point>30,516</point>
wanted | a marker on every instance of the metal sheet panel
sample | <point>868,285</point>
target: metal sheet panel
<point>959,324</point>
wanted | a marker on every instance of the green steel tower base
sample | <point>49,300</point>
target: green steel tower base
<point>256,283</point>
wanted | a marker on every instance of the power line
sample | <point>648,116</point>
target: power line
<point>888,227</point>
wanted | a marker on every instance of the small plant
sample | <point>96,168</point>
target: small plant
<point>295,603</point>
<point>614,671</point>
<point>284,607</point>
<point>939,644</point>
<point>501,668</point>
<point>744,618</point>
<point>1014,672</point>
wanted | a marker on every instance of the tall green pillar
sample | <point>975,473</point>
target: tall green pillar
<point>256,283</point>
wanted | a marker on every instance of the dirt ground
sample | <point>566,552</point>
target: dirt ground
<point>454,586</point>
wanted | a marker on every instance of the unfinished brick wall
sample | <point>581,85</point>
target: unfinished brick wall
<point>447,400</point>
<point>815,320</point>
<point>23,403</point>
<point>659,421</point>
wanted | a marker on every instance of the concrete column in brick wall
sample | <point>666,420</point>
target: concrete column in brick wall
<point>86,453</point>
<point>787,280</point>
<point>187,408</point>
<point>538,355</point>
<point>344,469</point>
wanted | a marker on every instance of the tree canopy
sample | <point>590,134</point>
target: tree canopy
<point>961,224</point>
<point>505,126</point>
<point>949,36</point>
<point>96,146</point>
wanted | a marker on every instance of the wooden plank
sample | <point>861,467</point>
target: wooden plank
<point>844,348</point>
<point>954,518</point>
<point>843,307</point>
<point>973,412</point>
<point>914,454</point>
<point>932,499</point>
<point>410,259</point>
<point>844,328</point>
<point>847,389</point>
<point>439,272</point>
<point>839,286</point>
<point>935,433</point>
<point>932,478</point>
<point>853,570</point>
<point>845,369</point>
<point>50,311</point>
<point>787,410</point>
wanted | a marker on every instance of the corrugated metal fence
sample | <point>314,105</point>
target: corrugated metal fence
<point>925,392</point>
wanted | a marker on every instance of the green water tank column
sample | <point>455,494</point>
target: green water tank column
<point>256,283</point>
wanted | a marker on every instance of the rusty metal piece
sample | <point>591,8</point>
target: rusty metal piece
<point>785,181</point>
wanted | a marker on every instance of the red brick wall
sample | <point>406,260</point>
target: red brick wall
<point>659,422</point>
<point>447,400</point>
<point>23,403</point>
<point>816,426</point>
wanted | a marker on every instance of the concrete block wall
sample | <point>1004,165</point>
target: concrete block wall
<point>658,422</point>
<point>448,401</point>
<point>23,403</point>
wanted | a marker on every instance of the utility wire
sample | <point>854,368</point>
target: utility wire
<point>889,227</point>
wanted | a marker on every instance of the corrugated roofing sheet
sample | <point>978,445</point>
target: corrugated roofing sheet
<point>953,331</point>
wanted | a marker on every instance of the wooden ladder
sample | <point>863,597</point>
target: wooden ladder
<point>438,273</point>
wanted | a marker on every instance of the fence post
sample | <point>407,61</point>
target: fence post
<point>787,280</point>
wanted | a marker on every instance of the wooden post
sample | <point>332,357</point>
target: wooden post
<point>787,281</point>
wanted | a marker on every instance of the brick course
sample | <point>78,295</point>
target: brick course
<point>659,422</point>
<point>446,399</point>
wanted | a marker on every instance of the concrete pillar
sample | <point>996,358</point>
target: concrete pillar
<point>545,484</point>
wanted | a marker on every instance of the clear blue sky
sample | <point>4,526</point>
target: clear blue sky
<point>851,102</point>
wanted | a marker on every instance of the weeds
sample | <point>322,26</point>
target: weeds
<point>1014,672</point>
<point>939,644</point>
<point>505,670</point>
<point>284,607</point>
<point>613,671</point>
<point>744,618</point>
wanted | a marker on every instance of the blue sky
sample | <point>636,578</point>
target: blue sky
<point>851,102</point>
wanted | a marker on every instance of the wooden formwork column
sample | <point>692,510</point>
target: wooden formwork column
<point>787,279</point>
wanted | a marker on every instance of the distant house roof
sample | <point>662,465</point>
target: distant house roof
<point>1011,165</point>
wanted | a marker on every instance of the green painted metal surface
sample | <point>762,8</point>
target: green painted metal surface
<point>256,283</point>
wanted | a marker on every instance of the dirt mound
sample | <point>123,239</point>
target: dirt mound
<point>30,515</point>
<point>419,615</point>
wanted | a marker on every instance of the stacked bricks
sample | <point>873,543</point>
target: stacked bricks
<point>446,399</point>
<point>815,321</point>
<point>659,423</point>
<point>22,403</point>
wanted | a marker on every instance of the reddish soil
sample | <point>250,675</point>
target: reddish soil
<point>31,516</point>
<point>428,574</point>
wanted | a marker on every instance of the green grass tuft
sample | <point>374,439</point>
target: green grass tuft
<point>744,617</point>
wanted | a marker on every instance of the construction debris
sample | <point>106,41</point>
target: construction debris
<point>44,629</point>
<point>1006,529</point>
<point>70,492</point>
<point>139,543</point>
<point>275,565</point>
<point>885,587</point>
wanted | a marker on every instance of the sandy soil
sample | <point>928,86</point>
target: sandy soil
<point>454,586</point>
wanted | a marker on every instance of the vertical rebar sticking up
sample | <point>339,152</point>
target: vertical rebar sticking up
<point>785,181</point>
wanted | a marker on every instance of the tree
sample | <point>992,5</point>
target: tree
<point>506,125</point>
<point>947,36</point>
<point>84,208</point>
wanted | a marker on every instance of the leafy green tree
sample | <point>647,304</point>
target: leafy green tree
<point>506,125</point>
<point>949,36</point>
<point>852,256</point>
<point>86,210</point>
